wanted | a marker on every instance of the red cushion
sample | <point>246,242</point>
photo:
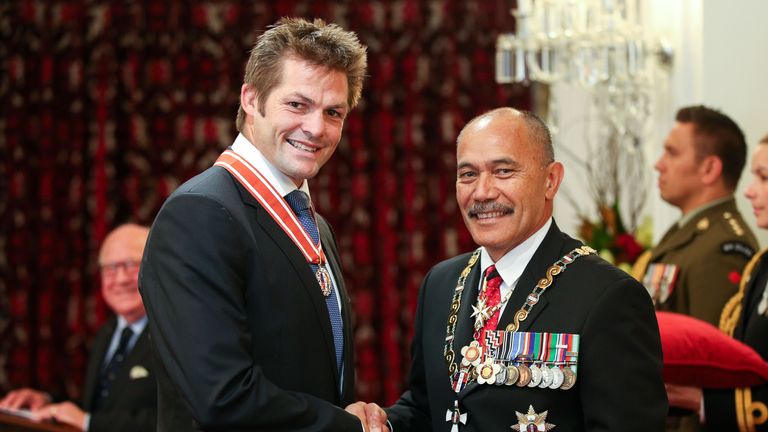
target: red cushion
<point>698,354</point>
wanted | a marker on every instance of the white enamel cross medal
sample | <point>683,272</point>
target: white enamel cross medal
<point>455,417</point>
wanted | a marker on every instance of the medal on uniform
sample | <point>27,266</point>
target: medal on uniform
<point>455,417</point>
<point>480,313</point>
<point>524,375</point>
<point>512,375</point>
<point>471,354</point>
<point>535,376</point>
<point>486,372</point>
<point>501,359</point>
<point>546,377</point>
<point>532,421</point>
<point>557,378</point>
<point>569,379</point>
<point>501,376</point>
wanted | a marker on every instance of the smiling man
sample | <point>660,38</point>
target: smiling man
<point>532,331</point>
<point>241,278</point>
<point>120,392</point>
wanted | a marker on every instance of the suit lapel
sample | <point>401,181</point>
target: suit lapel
<point>301,269</point>
<point>465,325</point>
<point>547,254</point>
<point>123,375</point>
<point>96,360</point>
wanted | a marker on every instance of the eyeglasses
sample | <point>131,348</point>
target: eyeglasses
<point>110,269</point>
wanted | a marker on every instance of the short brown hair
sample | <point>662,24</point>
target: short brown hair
<point>716,134</point>
<point>319,43</point>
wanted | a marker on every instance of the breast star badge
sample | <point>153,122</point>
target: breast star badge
<point>532,422</point>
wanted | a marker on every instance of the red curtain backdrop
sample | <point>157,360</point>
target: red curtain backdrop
<point>107,106</point>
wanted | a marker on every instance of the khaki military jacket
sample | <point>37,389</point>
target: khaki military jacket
<point>696,268</point>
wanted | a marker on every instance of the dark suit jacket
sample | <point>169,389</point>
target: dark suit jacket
<point>132,404</point>
<point>731,409</point>
<point>619,385</point>
<point>239,324</point>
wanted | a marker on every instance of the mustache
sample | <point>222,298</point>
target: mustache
<point>486,207</point>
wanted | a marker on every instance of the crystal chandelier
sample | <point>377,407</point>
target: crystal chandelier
<point>600,45</point>
<point>600,49</point>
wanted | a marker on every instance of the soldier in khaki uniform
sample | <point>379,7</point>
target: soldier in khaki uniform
<point>695,268</point>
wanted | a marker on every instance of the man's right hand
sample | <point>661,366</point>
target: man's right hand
<point>373,418</point>
<point>25,398</point>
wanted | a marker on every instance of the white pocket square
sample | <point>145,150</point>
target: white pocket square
<point>138,372</point>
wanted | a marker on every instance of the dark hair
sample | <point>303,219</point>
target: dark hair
<point>318,43</point>
<point>716,134</point>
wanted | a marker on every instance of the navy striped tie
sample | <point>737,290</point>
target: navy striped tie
<point>299,202</point>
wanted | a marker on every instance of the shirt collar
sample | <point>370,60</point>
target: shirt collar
<point>512,264</point>
<point>699,210</point>
<point>255,157</point>
<point>136,327</point>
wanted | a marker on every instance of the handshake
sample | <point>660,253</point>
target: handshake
<point>374,418</point>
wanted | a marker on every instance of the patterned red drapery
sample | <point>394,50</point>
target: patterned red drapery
<point>108,106</point>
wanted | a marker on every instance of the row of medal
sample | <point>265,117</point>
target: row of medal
<point>532,359</point>
<point>522,375</point>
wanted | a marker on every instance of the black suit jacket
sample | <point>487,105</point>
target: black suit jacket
<point>132,404</point>
<point>239,324</point>
<point>619,385</point>
<point>741,409</point>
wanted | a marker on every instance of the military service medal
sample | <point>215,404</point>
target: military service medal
<point>501,358</point>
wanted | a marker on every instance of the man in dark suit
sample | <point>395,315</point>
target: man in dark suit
<point>532,331</point>
<point>241,279</point>
<point>120,392</point>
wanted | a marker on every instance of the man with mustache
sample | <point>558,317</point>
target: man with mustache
<point>241,279</point>
<point>532,331</point>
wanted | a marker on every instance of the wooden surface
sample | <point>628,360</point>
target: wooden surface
<point>12,423</point>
